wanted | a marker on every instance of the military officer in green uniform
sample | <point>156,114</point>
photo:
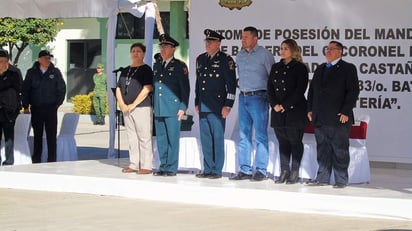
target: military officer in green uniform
<point>99,94</point>
<point>215,95</point>
<point>170,99</point>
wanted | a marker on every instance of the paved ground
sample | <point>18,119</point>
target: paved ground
<point>32,210</point>
<point>22,210</point>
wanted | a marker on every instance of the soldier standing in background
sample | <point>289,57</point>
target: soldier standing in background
<point>100,94</point>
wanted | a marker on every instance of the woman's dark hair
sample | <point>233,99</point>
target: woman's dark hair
<point>140,45</point>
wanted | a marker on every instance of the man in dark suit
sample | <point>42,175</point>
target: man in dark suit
<point>170,99</point>
<point>215,95</point>
<point>332,96</point>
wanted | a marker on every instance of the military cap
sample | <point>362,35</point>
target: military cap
<point>44,53</point>
<point>166,39</point>
<point>4,53</point>
<point>212,35</point>
<point>100,65</point>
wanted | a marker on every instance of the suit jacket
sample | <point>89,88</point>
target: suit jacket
<point>287,85</point>
<point>215,82</point>
<point>11,83</point>
<point>43,89</point>
<point>332,92</point>
<point>171,88</point>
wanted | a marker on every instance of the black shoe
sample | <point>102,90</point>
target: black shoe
<point>258,176</point>
<point>339,185</point>
<point>203,175</point>
<point>293,177</point>
<point>96,123</point>
<point>316,183</point>
<point>214,176</point>
<point>282,178</point>
<point>159,173</point>
<point>169,174</point>
<point>241,176</point>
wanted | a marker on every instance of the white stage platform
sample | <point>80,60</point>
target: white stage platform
<point>389,195</point>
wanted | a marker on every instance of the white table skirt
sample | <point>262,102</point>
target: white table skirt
<point>22,154</point>
<point>191,158</point>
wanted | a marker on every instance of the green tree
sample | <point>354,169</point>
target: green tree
<point>19,33</point>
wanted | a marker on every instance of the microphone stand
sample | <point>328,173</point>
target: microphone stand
<point>117,124</point>
<point>118,114</point>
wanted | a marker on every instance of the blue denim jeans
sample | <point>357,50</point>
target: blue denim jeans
<point>253,112</point>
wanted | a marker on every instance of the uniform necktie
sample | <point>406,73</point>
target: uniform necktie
<point>163,65</point>
<point>328,65</point>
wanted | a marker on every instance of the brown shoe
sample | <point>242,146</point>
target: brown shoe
<point>144,171</point>
<point>128,170</point>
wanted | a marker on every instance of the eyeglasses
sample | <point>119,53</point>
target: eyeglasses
<point>331,48</point>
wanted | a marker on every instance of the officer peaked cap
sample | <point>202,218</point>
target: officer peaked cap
<point>166,39</point>
<point>212,35</point>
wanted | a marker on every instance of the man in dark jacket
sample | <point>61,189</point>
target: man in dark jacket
<point>10,104</point>
<point>44,90</point>
<point>332,96</point>
<point>215,95</point>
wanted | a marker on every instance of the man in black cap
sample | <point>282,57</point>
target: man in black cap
<point>44,90</point>
<point>10,104</point>
<point>215,95</point>
<point>170,101</point>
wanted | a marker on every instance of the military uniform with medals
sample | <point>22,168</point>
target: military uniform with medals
<point>215,90</point>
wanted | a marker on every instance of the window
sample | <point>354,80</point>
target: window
<point>127,23</point>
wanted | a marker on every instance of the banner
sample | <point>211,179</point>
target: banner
<point>378,40</point>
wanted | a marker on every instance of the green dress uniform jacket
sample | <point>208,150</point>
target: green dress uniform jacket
<point>171,88</point>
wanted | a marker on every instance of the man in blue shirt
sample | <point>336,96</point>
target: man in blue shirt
<point>254,63</point>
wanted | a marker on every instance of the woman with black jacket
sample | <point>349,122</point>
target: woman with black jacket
<point>287,84</point>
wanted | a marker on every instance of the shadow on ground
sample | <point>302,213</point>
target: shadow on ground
<point>95,153</point>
